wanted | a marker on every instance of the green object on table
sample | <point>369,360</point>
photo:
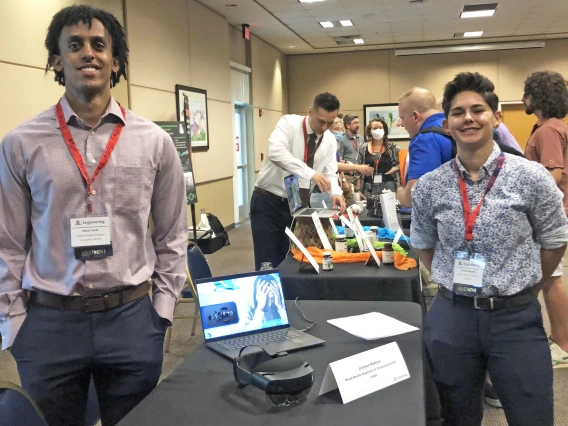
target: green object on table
<point>352,244</point>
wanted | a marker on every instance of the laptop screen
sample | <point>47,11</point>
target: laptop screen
<point>293,193</point>
<point>241,304</point>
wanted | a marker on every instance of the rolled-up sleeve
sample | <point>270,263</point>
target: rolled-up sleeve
<point>169,215</point>
<point>423,230</point>
<point>546,213</point>
<point>15,227</point>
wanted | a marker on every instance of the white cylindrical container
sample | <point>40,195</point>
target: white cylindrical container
<point>341,243</point>
<point>327,264</point>
<point>371,236</point>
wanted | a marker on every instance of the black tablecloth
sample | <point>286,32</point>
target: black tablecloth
<point>352,281</point>
<point>202,390</point>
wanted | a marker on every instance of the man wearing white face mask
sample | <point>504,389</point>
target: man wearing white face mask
<point>380,154</point>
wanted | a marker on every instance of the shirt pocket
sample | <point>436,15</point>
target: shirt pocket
<point>133,189</point>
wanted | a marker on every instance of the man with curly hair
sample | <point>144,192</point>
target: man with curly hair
<point>546,96</point>
<point>78,184</point>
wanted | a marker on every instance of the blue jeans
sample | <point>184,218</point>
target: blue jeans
<point>58,351</point>
<point>463,343</point>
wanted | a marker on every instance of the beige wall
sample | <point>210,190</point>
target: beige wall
<point>237,46</point>
<point>24,87</point>
<point>167,48</point>
<point>359,78</point>
<point>269,92</point>
<point>173,42</point>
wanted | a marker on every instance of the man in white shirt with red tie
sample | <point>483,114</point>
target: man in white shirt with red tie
<point>302,146</point>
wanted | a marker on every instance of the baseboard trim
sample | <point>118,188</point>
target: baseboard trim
<point>229,227</point>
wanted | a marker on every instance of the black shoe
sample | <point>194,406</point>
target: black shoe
<point>490,396</point>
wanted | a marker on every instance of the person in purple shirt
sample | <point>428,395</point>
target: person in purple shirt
<point>505,135</point>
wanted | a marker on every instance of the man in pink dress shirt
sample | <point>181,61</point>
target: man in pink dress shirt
<point>78,185</point>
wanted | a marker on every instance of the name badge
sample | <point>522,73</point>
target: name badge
<point>468,273</point>
<point>90,237</point>
<point>378,178</point>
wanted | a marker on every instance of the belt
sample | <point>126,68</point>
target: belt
<point>99,303</point>
<point>269,194</point>
<point>523,298</point>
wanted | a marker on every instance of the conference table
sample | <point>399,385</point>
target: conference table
<point>202,390</point>
<point>351,281</point>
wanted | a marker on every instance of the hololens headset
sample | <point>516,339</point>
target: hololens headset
<point>285,379</point>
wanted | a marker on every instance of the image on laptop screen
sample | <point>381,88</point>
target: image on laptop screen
<point>293,193</point>
<point>240,305</point>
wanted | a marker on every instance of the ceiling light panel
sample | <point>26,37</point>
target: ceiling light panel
<point>479,10</point>
<point>327,24</point>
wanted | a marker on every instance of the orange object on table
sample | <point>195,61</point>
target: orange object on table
<point>400,261</point>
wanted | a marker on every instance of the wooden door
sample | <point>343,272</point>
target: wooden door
<point>519,123</point>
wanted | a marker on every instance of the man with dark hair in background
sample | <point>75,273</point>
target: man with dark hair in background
<point>302,146</point>
<point>546,96</point>
<point>75,308</point>
<point>348,148</point>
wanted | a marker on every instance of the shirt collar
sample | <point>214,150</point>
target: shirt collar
<point>308,128</point>
<point>356,136</point>
<point>113,108</point>
<point>487,167</point>
<point>431,119</point>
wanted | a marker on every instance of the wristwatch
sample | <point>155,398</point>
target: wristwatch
<point>167,323</point>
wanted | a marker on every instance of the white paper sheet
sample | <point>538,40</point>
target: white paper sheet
<point>371,326</point>
<point>388,205</point>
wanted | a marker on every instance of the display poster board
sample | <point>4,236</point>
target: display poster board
<point>178,133</point>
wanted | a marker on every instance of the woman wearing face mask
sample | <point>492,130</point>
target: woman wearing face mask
<point>337,129</point>
<point>380,154</point>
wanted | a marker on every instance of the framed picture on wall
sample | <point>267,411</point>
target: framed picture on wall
<point>389,113</point>
<point>191,107</point>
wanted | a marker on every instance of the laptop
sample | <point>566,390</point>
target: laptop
<point>248,309</point>
<point>295,202</point>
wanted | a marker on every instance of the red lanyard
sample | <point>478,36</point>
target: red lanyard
<point>381,150</point>
<point>306,142</point>
<point>77,155</point>
<point>471,216</point>
<point>372,150</point>
<point>354,144</point>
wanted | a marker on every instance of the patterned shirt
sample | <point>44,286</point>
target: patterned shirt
<point>521,213</point>
<point>41,189</point>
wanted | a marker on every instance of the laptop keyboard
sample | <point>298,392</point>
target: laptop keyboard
<point>254,339</point>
